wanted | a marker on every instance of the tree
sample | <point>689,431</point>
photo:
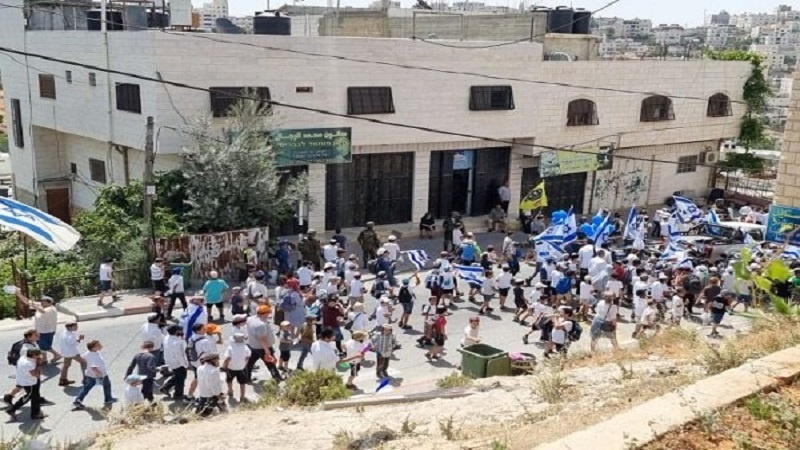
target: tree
<point>232,181</point>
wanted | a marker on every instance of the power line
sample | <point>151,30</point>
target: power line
<point>323,111</point>
<point>415,67</point>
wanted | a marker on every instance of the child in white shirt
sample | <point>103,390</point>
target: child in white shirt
<point>133,392</point>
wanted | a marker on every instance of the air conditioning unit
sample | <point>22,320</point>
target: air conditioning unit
<point>710,157</point>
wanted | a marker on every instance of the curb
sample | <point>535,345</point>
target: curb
<point>106,313</point>
<point>652,419</point>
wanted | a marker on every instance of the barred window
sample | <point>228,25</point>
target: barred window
<point>582,112</point>
<point>370,100</point>
<point>719,105</point>
<point>687,164</point>
<point>656,109</point>
<point>490,98</point>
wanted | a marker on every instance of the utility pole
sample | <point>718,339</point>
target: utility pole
<point>149,187</point>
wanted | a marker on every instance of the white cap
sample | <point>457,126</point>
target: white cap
<point>540,285</point>
<point>329,265</point>
<point>392,237</point>
<point>381,251</point>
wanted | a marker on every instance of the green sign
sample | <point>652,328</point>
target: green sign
<point>312,146</point>
<point>562,162</point>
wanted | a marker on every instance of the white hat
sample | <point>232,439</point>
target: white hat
<point>540,285</point>
<point>755,266</point>
<point>392,237</point>
<point>213,274</point>
<point>329,265</point>
<point>381,251</point>
<point>385,300</point>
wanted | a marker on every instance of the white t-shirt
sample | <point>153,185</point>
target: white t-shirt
<point>329,252</point>
<point>239,353</point>
<point>23,372</point>
<point>325,357</point>
<point>504,280</point>
<point>356,288</point>
<point>105,272</point>
<point>560,336</point>
<point>639,304</point>
<point>304,275</point>
<point>614,286</point>
<point>448,280</point>
<point>536,296</point>
<point>46,321</point>
<point>156,272</point>
<point>597,265</point>
<point>151,332</point>
<point>677,306</point>
<point>728,280</point>
<point>133,395</point>
<point>68,343</point>
<point>353,347</point>
<point>657,290</point>
<point>392,249</point>
<point>585,255</point>
<point>94,360</point>
<point>556,276</point>
<point>488,286</point>
<point>648,316</point>
<point>208,381</point>
<point>175,284</point>
<point>640,285</point>
<point>360,321</point>
<point>607,312</point>
<point>380,315</point>
<point>429,312</point>
<point>471,336</point>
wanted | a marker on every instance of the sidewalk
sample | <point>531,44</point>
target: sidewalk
<point>85,308</point>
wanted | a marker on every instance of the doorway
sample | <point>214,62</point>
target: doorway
<point>58,203</point>
<point>461,191</point>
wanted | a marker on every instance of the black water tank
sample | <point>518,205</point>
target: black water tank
<point>581,21</point>
<point>157,20</point>
<point>560,20</point>
<point>276,25</point>
<point>113,20</point>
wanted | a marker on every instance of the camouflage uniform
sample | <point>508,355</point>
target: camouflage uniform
<point>369,242</point>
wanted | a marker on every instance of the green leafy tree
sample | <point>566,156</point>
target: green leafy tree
<point>746,161</point>
<point>232,181</point>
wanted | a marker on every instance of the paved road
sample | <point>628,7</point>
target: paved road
<point>410,368</point>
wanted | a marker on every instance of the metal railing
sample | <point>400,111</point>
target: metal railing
<point>750,186</point>
<point>82,285</point>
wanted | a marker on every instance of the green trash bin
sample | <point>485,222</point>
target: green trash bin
<point>186,272</point>
<point>482,361</point>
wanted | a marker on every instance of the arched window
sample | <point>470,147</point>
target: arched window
<point>582,112</point>
<point>719,105</point>
<point>656,109</point>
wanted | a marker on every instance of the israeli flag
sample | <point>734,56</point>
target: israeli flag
<point>42,227</point>
<point>631,226</point>
<point>545,250</point>
<point>687,210</point>
<point>673,249</point>
<point>553,233</point>
<point>470,274</point>
<point>673,233</point>
<point>685,264</point>
<point>418,258</point>
<point>791,252</point>
<point>712,217</point>
<point>603,232</point>
<point>570,228</point>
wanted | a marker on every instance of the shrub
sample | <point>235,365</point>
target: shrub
<point>306,388</point>
<point>454,380</point>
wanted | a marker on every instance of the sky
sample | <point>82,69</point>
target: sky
<point>682,12</point>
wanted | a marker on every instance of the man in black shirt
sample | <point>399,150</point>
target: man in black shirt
<point>717,308</point>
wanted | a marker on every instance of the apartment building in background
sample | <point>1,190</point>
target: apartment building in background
<point>212,11</point>
<point>668,34</point>
<point>654,122</point>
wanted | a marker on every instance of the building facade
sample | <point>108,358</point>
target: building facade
<point>210,12</point>
<point>668,34</point>
<point>71,138</point>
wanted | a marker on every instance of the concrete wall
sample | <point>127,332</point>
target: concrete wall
<point>380,24</point>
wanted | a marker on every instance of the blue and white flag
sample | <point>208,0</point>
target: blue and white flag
<point>749,241</point>
<point>632,225</point>
<point>791,252</point>
<point>673,233</point>
<point>673,249</point>
<point>712,217</point>
<point>42,227</point>
<point>687,210</point>
<point>603,232</point>
<point>546,250</point>
<point>418,258</point>
<point>470,274</point>
<point>553,233</point>
<point>570,228</point>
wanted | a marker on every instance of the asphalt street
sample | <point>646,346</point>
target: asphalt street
<point>411,370</point>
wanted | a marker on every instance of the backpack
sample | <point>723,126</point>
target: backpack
<point>191,349</point>
<point>693,284</point>
<point>563,286</point>
<point>372,265</point>
<point>15,352</point>
<point>576,331</point>
<point>287,305</point>
<point>378,288</point>
<point>432,281</point>
<point>404,296</point>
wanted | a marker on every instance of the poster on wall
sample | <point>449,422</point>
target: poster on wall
<point>781,222</point>
<point>562,162</point>
<point>298,147</point>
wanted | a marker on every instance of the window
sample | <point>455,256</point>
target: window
<point>68,76</point>
<point>97,170</point>
<point>490,98</point>
<point>370,100</point>
<point>128,98</point>
<point>687,164</point>
<point>92,79</point>
<point>73,168</point>
<point>656,109</point>
<point>47,86</point>
<point>719,105</point>
<point>16,123</point>
<point>222,98</point>
<point>582,112</point>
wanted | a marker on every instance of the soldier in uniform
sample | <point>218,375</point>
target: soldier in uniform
<point>369,242</point>
<point>310,248</point>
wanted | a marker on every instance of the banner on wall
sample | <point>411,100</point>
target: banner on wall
<point>585,159</point>
<point>299,147</point>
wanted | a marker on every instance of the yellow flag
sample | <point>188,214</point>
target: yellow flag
<point>536,198</point>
